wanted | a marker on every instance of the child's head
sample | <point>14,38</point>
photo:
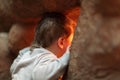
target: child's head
<point>53,27</point>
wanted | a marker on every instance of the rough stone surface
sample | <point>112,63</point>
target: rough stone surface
<point>29,10</point>
<point>5,59</point>
<point>20,36</point>
<point>95,53</point>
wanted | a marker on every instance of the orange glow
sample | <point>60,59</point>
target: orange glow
<point>72,15</point>
<point>71,29</point>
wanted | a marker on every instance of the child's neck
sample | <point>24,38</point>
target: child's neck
<point>55,50</point>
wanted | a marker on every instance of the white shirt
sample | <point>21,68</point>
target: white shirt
<point>40,64</point>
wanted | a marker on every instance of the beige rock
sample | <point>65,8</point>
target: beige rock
<point>5,60</point>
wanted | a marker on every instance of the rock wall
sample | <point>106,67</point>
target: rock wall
<point>95,53</point>
<point>30,11</point>
<point>5,57</point>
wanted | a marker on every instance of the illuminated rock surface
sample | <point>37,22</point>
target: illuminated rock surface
<point>20,36</point>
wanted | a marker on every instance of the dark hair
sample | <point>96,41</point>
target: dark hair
<point>51,26</point>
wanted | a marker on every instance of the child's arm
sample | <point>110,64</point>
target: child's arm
<point>53,70</point>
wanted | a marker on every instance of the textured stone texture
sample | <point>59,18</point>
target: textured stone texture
<point>95,53</point>
<point>20,36</point>
<point>29,10</point>
<point>5,59</point>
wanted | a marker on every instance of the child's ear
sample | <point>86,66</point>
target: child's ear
<point>61,42</point>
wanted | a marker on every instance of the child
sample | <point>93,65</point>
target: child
<point>48,56</point>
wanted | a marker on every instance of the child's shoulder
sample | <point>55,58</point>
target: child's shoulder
<point>24,50</point>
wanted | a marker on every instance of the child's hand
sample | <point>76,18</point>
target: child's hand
<point>68,49</point>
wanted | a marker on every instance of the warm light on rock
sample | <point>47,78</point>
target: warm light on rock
<point>20,36</point>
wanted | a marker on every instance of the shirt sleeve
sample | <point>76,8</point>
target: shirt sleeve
<point>51,71</point>
<point>16,60</point>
